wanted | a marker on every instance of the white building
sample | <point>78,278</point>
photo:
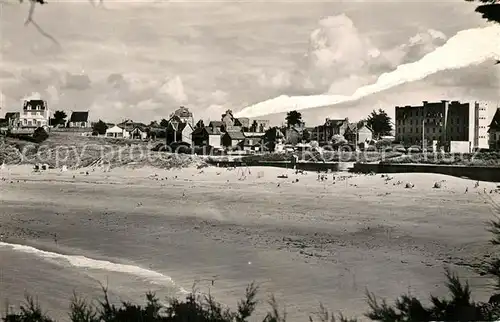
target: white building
<point>481,113</point>
<point>117,132</point>
<point>35,113</point>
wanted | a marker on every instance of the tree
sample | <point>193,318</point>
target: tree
<point>306,136</point>
<point>253,127</point>
<point>338,140</point>
<point>200,124</point>
<point>490,11</point>
<point>163,123</point>
<point>99,128</point>
<point>270,138</point>
<point>59,117</point>
<point>380,123</point>
<point>293,118</point>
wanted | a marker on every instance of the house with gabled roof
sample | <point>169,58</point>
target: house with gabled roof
<point>494,132</point>
<point>232,123</point>
<point>177,132</point>
<point>207,136</point>
<point>219,125</point>
<point>79,119</point>
<point>136,130</point>
<point>232,139</point>
<point>117,132</point>
<point>358,132</point>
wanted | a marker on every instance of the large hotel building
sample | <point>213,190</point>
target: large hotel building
<point>444,122</point>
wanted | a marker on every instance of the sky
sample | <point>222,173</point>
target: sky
<point>141,60</point>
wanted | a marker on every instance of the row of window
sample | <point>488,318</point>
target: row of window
<point>32,123</point>
<point>431,130</point>
<point>452,121</point>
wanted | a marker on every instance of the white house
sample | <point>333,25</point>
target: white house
<point>138,133</point>
<point>117,132</point>
<point>35,113</point>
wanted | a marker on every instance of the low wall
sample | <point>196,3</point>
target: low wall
<point>306,166</point>
<point>491,174</point>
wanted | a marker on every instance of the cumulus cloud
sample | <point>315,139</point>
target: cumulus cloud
<point>340,58</point>
<point>467,48</point>
<point>173,88</point>
<point>219,97</point>
<point>77,81</point>
<point>32,96</point>
<point>417,47</point>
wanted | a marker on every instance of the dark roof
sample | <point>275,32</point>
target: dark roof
<point>79,117</point>
<point>213,131</point>
<point>130,125</point>
<point>33,103</point>
<point>208,130</point>
<point>180,126</point>
<point>236,135</point>
<point>216,123</point>
<point>11,115</point>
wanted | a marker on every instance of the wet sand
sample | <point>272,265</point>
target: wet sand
<point>307,242</point>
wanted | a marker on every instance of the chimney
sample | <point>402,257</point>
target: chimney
<point>425,102</point>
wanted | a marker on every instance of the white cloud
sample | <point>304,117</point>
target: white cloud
<point>466,48</point>
<point>174,89</point>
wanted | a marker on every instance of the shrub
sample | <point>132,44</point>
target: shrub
<point>40,135</point>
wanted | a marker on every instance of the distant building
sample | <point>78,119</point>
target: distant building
<point>232,123</point>
<point>494,132</point>
<point>35,113</point>
<point>232,139</point>
<point>179,132</point>
<point>117,132</point>
<point>207,136</point>
<point>481,140</point>
<point>183,115</point>
<point>325,132</point>
<point>219,125</point>
<point>12,118</point>
<point>135,130</point>
<point>359,132</point>
<point>442,121</point>
<point>253,141</point>
<point>259,126</point>
<point>79,120</point>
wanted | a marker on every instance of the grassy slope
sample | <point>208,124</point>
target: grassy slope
<point>80,151</point>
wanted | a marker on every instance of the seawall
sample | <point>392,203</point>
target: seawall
<point>491,174</point>
<point>306,166</point>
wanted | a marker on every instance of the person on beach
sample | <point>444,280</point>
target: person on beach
<point>466,189</point>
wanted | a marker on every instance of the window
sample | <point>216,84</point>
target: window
<point>433,130</point>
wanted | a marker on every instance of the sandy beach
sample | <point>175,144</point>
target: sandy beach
<point>306,241</point>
